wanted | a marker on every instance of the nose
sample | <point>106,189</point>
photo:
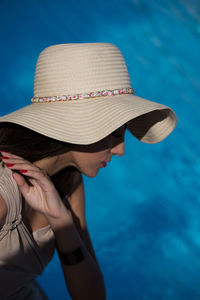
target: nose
<point>118,149</point>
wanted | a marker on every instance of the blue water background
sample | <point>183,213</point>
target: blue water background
<point>143,210</point>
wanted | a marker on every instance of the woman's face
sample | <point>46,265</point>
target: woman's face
<point>88,159</point>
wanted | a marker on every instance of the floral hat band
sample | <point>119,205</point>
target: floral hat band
<point>83,96</point>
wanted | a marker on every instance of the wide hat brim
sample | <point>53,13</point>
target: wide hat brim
<point>90,120</point>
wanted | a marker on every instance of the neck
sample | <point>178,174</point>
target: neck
<point>54,164</point>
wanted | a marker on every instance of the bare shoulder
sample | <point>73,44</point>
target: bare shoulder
<point>3,211</point>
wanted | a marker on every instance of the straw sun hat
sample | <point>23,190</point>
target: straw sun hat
<point>82,93</point>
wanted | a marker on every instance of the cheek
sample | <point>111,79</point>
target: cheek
<point>94,158</point>
<point>90,162</point>
<point>93,162</point>
<point>86,161</point>
<point>90,166</point>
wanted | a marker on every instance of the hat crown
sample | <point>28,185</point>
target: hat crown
<point>80,68</point>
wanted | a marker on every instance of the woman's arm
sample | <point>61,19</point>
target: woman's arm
<point>76,204</point>
<point>84,280</point>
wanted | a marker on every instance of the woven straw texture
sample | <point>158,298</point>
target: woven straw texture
<point>83,68</point>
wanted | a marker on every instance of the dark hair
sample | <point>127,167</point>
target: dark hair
<point>34,146</point>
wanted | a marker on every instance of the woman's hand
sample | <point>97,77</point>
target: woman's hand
<point>42,194</point>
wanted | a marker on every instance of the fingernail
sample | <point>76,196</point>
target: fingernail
<point>23,171</point>
<point>3,157</point>
<point>10,165</point>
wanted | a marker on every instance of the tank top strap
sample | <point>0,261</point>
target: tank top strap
<point>11,194</point>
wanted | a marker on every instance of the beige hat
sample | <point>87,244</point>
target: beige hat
<point>82,93</point>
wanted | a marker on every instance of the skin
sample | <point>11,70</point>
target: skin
<point>42,195</point>
<point>46,207</point>
<point>86,158</point>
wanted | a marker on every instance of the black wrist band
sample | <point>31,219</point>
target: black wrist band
<point>72,258</point>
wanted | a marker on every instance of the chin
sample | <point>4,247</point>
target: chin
<point>91,173</point>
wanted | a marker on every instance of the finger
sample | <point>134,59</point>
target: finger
<point>22,166</point>
<point>13,160</point>
<point>8,154</point>
<point>9,160</point>
<point>21,182</point>
<point>40,176</point>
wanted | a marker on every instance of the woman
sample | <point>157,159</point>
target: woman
<point>83,102</point>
